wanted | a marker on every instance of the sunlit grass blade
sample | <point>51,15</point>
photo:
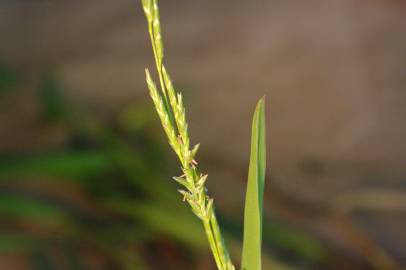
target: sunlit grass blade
<point>251,255</point>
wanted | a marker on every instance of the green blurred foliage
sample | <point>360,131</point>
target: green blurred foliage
<point>51,97</point>
<point>9,78</point>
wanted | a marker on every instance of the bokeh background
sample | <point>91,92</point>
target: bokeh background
<point>85,170</point>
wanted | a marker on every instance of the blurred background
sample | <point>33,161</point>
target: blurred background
<point>85,170</point>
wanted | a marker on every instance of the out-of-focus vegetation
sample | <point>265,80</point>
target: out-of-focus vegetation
<point>8,77</point>
<point>101,199</point>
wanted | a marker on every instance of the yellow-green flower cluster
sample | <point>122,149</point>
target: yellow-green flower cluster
<point>171,111</point>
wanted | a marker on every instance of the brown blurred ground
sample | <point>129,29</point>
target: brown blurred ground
<point>334,73</point>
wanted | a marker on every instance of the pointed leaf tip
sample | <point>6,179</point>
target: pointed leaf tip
<point>251,256</point>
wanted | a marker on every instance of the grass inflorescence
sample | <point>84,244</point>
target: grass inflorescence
<point>171,111</point>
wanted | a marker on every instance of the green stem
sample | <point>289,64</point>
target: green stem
<point>219,240</point>
<point>212,242</point>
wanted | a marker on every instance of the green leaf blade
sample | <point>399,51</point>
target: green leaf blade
<point>251,255</point>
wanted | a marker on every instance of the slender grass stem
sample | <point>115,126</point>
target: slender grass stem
<point>213,246</point>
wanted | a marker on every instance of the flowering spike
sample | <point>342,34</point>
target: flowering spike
<point>171,111</point>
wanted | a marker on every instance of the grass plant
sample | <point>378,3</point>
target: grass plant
<point>171,111</point>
